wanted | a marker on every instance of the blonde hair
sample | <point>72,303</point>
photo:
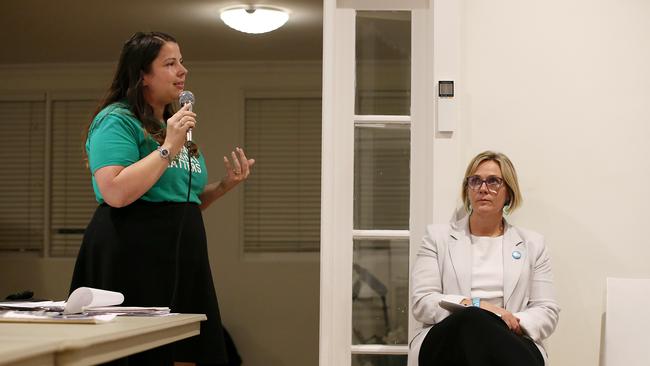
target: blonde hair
<point>514,199</point>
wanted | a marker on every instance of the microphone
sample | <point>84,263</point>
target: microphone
<point>187,97</point>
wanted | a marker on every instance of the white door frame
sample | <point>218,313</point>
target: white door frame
<point>335,333</point>
<point>338,151</point>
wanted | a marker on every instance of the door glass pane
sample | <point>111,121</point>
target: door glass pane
<point>379,360</point>
<point>383,63</point>
<point>381,178</point>
<point>380,292</point>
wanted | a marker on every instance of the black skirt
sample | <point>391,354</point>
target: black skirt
<point>133,250</point>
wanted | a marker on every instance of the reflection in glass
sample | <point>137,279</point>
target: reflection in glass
<point>380,292</point>
<point>381,178</point>
<point>379,360</point>
<point>383,54</point>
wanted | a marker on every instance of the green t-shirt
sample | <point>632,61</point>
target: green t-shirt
<point>116,137</point>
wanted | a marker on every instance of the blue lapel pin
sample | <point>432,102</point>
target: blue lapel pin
<point>516,255</point>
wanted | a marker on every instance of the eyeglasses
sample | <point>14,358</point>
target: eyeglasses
<point>493,183</point>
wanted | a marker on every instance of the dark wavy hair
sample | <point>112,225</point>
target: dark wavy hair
<point>138,53</point>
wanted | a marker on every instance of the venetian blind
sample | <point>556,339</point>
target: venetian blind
<point>22,135</point>
<point>282,196</point>
<point>72,198</point>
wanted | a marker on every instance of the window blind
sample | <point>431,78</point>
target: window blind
<point>282,197</point>
<point>22,136</point>
<point>72,198</point>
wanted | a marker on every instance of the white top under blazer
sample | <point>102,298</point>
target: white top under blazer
<point>487,269</point>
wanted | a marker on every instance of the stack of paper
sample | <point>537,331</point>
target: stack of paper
<point>128,310</point>
<point>33,305</point>
<point>53,317</point>
<point>84,305</point>
<point>94,301</point>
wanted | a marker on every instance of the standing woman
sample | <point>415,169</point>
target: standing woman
<point>483,288</point>
<point>146,238</point>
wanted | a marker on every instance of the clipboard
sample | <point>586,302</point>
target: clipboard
<point>452,306</point>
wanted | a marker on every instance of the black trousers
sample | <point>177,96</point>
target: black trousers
<point>476,337</point>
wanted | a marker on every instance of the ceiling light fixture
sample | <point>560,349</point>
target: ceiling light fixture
<point>255,20</point>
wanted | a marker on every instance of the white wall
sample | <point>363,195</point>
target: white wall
<point>563,88</point>
<point>269,306</point>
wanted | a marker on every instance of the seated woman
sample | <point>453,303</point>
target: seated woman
<point>483,288</point>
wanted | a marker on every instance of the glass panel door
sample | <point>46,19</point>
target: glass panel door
<point>371,113</point>
<point>382,150</point>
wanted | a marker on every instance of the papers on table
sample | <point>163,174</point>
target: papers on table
<point>53,317</point>
<point>33,305</point>
<point>128,310</point>
<point>84,305</point>
<point>86,297</point>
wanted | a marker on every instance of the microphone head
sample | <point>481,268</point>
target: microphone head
<point>186,97</point>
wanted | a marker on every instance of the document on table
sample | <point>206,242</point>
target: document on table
<point>83,297</point>
<point>93,301</point>
<point>128,310</point>
<point>52,317</point>
<point>84,305</point>
<point>32,305</point>
<point>87,297</point>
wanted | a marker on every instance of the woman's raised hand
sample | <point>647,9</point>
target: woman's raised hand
<point>240,168</point>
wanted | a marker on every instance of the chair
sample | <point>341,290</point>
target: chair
<point>627,323</point>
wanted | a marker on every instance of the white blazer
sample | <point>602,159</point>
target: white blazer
<point>444,267</point>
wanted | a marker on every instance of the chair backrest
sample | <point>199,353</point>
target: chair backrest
<point>627,323</point>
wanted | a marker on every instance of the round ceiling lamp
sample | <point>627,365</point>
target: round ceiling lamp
<point>255,20</point>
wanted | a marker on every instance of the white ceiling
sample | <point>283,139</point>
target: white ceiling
<point>61,31</point>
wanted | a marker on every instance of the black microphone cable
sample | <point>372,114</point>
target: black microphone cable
<point>185,97</point>
<point>188,146</point>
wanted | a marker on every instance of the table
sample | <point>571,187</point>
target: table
<point>88,344</point>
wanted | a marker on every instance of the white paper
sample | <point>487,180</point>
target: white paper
<point>85,297</point>
<point>127,310</point>
<point>53,317</point>
<point>451,306</point>
<point>27,305</point>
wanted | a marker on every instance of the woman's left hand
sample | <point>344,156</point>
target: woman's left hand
<point>511,321</point>
<point>238,170</point>
<point>509,318</point>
